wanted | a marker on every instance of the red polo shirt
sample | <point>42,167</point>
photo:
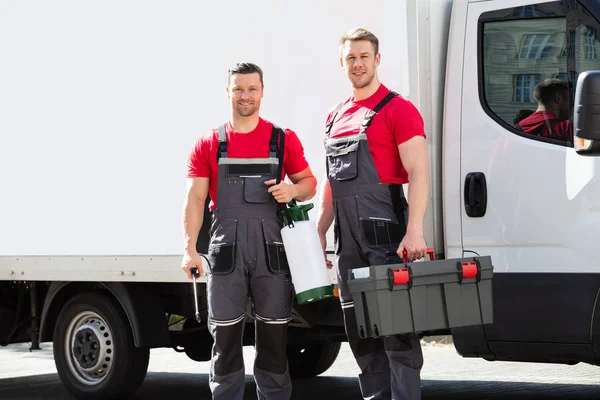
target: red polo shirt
<point>393,125</point>
<point>202,161</point>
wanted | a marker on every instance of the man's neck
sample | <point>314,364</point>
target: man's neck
<point>542,108</point>
<point>244,124</point>
<point>367,91</point>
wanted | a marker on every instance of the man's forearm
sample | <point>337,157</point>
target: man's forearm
<point>325,218</point>
<point>193,216</point>
<point>418,194</point>
<point>305,188</point>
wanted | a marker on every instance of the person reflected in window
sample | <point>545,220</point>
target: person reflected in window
<point>551,119</point>
<point>521,115</point>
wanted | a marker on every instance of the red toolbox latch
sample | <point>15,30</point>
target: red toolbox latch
<point>469,270</point>
<point>400,276</point>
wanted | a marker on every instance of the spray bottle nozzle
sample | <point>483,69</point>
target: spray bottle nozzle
<point>292,212</point>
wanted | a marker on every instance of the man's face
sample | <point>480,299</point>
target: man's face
<point>359,62</point>
<point>245,92</point>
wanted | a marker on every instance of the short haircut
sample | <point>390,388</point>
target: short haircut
<point>360,34</point>
<point>545,91</point>
<point>245,69</point>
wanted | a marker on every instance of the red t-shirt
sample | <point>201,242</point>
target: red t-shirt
<point>394,124</point>
<point>202,161</point>
<point>536,124</point>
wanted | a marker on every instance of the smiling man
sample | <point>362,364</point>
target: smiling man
<point>375,142</point>
<point>240,164</point>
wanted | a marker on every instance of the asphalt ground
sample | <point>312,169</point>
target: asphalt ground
<point>28,375</point>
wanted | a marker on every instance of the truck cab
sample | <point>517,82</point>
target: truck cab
<point>526,200</point>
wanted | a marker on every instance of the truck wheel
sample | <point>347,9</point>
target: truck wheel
<point>198,343</point>
<point>94,351</point>
<point>311,360</point>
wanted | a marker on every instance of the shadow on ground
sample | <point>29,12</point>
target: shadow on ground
<point>160,386</point>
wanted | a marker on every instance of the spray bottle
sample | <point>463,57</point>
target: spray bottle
<point>304,253</point>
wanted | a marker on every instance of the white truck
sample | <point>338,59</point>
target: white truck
<point>100,104</point>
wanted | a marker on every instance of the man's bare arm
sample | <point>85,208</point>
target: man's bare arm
<point>414,158</point>
<point>325,218</point>
<point>305,184</point>
<point>193,216</point>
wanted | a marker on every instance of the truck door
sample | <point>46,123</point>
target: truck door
<point>529,200</point>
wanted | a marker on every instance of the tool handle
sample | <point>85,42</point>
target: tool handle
<point>429,251</point>
<point>196,274</point>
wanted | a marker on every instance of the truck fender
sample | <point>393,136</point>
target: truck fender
<point>143,309</point>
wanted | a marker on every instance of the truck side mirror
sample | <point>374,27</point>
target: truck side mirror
<point>586,135</point>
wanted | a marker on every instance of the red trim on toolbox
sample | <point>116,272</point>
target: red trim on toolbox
<point>431,256</point>
<point>429,251</point>
<point>469,269</point>
<point>401,276</point>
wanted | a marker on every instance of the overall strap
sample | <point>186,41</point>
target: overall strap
<point>329,124</point>
<point>369,117</point>
<point>277,136</point>
<point>222,150</point>
<point>274,141</point>
<point>548,125</point>
<point>273,147</point>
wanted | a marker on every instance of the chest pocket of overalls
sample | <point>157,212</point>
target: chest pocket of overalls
<point>255,190</point>
<point>342,158</point>
<point>253,177</point>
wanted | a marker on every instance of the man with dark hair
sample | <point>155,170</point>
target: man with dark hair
<point>551,119</point>
<point>374,143</point>
<point>242,164</point>
<point>246,69</point>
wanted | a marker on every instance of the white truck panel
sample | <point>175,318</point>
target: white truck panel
<point>101,103</point>
<point>157,268</point>
<point>428,26</point>
<point>451,135</point>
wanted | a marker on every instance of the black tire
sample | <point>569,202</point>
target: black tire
<point>98,325</point>
<point>311,360</point>
<point>198,343</point>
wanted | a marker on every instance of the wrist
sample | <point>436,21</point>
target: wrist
<point>190,249</point>
<point>414,229</point>
<point>321,230</point>
<point>295,192</point>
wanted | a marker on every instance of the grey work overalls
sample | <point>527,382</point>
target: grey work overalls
<point>370,222</point>
<point>246,253</point>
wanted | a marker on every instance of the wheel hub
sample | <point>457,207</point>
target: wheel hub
<point>91,348</point>
<point>87,348</point>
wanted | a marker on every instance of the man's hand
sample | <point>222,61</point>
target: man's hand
<point>283,193</point>
<point>414,244</point>
<point>323,239</point>
<point>190,260</point>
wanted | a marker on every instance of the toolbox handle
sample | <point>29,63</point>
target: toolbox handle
<point>429,251</point>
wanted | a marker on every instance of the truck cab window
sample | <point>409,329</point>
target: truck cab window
<point>525,75</point>
<point>584,32</point>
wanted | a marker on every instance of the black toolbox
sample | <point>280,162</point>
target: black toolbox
<point>422,296</point>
